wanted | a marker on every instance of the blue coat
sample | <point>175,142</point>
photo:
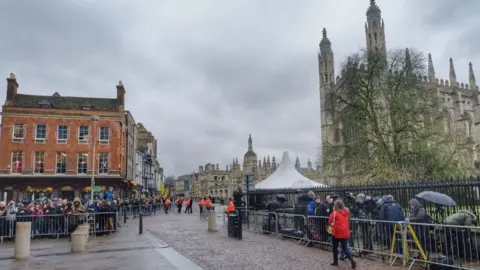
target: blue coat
<point>311,207</point>
<point>391,211</point>
<point>108,195</point>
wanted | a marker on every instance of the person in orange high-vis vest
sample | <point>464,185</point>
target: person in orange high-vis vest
<point>200,205</point>
<point>167,205</point>
<point>231,207</point>
<point>208,204</point>
<point>188,206</point>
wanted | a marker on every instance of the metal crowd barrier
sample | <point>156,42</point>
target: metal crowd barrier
<point>442,245</point>
<point>135,210</point>
<point>60,224</point>
<point>291,226</point>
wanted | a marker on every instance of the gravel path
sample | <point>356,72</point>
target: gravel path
<point>215,251</point>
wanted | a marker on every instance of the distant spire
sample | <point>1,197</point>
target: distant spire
<point>453,76</point>
<point>297,163</point>
<point>250,144</point>
<point>325,42</point>
<point>373,9</point>
<point>431,69</point>
<point>471,77</point>
<point>408,61</point>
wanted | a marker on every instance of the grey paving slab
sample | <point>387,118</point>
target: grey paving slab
<point>125,250</point>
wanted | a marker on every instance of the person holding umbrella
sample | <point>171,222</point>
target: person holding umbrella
<point>417,212</point>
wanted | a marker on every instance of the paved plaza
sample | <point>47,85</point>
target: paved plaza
<point>176,241</point>
<point>215,251</point>
<point>126,250</point>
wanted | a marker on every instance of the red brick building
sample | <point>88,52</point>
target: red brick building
<point>47,143</point>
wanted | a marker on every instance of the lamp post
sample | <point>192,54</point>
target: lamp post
<point>94,119</point>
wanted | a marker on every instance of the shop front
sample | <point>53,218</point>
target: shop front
<point>31,194</point>
<point>29,188</point>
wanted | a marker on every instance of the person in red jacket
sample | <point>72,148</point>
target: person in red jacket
<point>340,222</point>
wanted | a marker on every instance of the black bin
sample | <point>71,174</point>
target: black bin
<point>234,226</point>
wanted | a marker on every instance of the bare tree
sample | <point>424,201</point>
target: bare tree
<point>388,122</point>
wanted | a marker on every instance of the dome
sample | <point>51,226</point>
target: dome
<point>249,154</point>
<point>325,42</point>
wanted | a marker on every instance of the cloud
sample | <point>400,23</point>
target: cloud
<point>202,75</point>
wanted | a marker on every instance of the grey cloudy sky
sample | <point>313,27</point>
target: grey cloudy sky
<point>202,75</point>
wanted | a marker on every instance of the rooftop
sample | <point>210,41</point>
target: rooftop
<point>59,102</point>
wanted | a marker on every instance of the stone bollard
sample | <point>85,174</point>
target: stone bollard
<point>22,240</point>
<point>79,241</point>
<point>84,228</point>
<point>212,221</point>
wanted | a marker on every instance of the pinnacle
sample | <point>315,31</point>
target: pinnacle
<point>431,70</point>
<point>373,9</point>
<point>452,69</point>
<point>470,72</point>
<point>325,41</point>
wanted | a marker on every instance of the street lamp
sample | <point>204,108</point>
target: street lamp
<point>94,119</point>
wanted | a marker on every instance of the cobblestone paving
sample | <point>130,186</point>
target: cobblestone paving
<point>215,251</point>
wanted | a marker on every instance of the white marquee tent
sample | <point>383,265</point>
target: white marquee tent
<point>286,176</point>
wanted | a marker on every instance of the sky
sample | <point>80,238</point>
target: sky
<point>203,75</point>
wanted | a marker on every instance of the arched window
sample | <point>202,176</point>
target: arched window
<point>467,125</point>
<point>447,123</point>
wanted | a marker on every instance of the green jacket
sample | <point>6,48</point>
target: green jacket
<point>461,218</point>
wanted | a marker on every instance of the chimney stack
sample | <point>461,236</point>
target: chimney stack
<point>120,95</point>
<point>12,87</point>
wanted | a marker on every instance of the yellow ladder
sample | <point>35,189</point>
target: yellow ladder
<point>403,229</point>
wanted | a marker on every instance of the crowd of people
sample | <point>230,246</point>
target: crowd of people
<point>150,205</point>
<point>333,223</point>
<point>58,216</point>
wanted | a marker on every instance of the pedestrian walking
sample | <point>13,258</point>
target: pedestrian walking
<point>339,221</point>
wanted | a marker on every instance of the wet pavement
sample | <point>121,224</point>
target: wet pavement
<point>215,251</point>
<point>125,250</point>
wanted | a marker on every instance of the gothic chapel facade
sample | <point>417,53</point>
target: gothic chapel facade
<point>460,101</point>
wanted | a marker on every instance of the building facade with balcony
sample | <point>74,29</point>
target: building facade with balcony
<point>148,180</point>
<point>138,177</point>
<point>158,175</point>
<point>51,145</point>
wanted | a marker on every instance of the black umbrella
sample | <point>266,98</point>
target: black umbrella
<point>436,197</point>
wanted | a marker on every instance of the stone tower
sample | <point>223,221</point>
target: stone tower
<point>460,101</point>
<point>375,31</point>
<point>250,158</point>
<point>326,73</point>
